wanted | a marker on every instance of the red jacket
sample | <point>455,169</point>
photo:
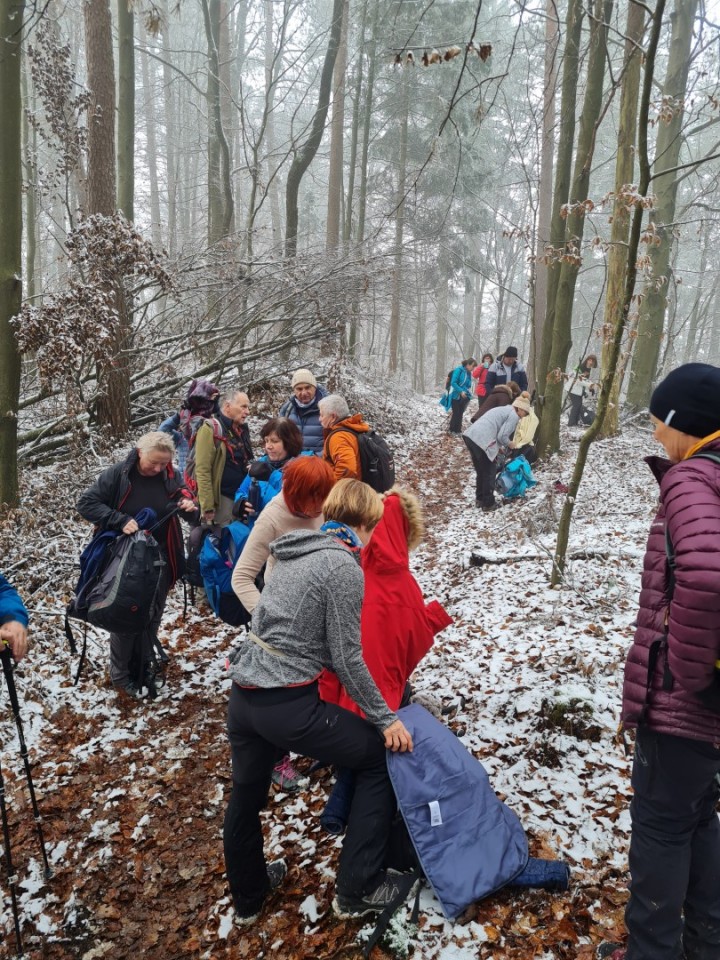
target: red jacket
<point>480,374</point>
<point>397,626</point>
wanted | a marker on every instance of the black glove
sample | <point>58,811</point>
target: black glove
<point>238,510</point>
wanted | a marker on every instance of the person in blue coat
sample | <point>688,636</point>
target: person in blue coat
<point>302,409</point>
<point>507,368</point>
<point>13,620</point>
<point>460,392</point>
<point>282,441</point>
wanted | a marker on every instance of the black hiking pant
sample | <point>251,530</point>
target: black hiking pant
<point>576,406</point>
<point>458,407</point>
<point>484,474</point>
<point>674,850</point>
<point>295,719</point>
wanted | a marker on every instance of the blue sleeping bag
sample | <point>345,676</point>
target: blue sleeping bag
<point>468,842</point>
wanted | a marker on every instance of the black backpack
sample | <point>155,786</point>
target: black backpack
<point>377,464</point>
<point>121,598</point>
<point>119,578</point>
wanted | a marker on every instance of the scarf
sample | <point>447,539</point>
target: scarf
<point>343,533</point>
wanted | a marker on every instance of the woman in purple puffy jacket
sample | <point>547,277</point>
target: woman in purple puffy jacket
<point>674,906</point>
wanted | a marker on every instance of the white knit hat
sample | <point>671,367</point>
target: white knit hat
<point>522,403</point>
<point>303,376</point>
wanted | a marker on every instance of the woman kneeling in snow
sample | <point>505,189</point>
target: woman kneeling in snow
<point>307,620</point>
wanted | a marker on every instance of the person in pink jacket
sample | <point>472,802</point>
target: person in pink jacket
<point>671,692</point>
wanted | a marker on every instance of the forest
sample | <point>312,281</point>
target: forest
<point>374,189</point>
<point>222,188</point>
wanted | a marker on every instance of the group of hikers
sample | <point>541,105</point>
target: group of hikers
<point>339,625</point>
<point>504,425</point>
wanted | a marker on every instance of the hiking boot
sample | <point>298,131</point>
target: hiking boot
<point>491,507</point>
<point>132,690</point>
<point>610,951</point>
<point>387,891</point>
<point>276,872</point>
<point>286,776</point>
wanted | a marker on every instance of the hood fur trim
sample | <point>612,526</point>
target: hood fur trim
<point>413,513</point>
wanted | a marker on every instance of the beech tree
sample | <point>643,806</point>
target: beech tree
<point>11,26</point>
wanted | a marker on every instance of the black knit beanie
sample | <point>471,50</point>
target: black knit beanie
<point>688,399</point>
<point>511,352</point>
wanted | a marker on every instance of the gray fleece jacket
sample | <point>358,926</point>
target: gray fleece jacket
<point>310,613</point>
<point>493,430</point>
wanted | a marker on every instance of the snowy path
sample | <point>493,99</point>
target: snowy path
<point>133,797</point>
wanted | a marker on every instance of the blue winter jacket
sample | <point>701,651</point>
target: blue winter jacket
<point>460,383</point>
<point>11,606</point>
<point>308,419</point>
<point>171,425</point>
<point>497,375</point>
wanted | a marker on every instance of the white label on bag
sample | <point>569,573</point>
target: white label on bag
<point>435,815</point>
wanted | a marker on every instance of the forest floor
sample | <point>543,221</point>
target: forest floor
<point>133,795</point>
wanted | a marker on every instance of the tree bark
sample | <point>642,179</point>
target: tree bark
<point>126,110</point>
<point>337,136</point>
<point>544,210</point>
<point>549,431</point>
<point>620,230</point>
<point>113,407</point>
<point>306,153</point>
<point>152,153</point>
<point>592,432</point>
<point>667,153</point>
<point>399,226</point>
<point>563,171</point>
<point>12,13</point>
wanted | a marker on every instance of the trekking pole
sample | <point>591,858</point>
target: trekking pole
<point>12,691</point>
<point>12,876</point>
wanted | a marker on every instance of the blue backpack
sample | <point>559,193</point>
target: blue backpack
<point>218,556</point>
<point>515,478</point>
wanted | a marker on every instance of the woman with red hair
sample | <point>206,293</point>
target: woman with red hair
<point>306,483</point>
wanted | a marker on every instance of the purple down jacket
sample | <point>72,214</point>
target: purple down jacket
<point>690,504</point>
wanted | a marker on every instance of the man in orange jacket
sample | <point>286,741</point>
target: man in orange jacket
<point>341,448</point>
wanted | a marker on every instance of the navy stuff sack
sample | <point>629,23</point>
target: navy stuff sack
<point>468,842</point>
<point>218,556</point>
<point>515,478</point>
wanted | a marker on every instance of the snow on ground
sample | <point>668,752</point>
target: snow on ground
<point>133,795</point>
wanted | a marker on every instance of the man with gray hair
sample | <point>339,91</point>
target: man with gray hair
<point>222,454</point>
<point>341,448</point>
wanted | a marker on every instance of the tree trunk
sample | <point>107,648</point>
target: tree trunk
<point>220,195</point>
<point>30,151</point>
<point>563,170</point>
<point>113,407</point>
<point>620,230</point>
<point>667,153</point>
<point>633,245</point>
<point>399,226</point>
<point>305,155</point>
<point>549,431</point>
<point>355,131</point>
<point>544,209</point>
<point>441,299</point>
<point>12,14</point>
<point>170,104</point>
<point>337,136</point>
<point>367,115</point>
<point>152,153</point>
<point>126,110</point>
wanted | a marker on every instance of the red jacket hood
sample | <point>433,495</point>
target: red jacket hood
<point>388,548</point>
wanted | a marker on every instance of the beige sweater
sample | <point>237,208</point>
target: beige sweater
<point>273,522</point>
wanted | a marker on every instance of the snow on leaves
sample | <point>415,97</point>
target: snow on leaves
<point>109,262</point>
